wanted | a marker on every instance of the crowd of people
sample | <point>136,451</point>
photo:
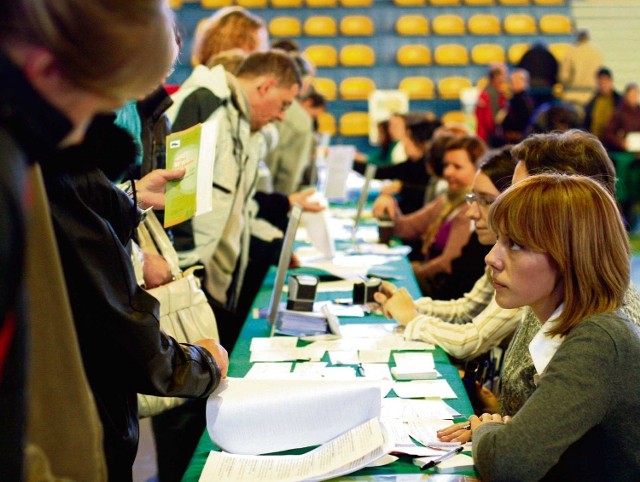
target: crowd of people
<point>518,240</point>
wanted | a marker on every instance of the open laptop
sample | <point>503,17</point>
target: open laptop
<point>283,265</point>
<point>275,313</point>
<point>369,174</point>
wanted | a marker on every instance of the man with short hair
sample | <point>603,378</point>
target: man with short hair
<point>600,108</point>
<point>266,83</point>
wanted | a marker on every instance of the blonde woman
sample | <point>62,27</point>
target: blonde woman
<point>563,251</point>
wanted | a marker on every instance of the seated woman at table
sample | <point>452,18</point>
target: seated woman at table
<point>441,224</point>
<point>563,251</point>
<point>571,152</point>
<point>469,326</point>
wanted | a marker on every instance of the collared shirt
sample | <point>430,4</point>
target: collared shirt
<point>466,327</point>
<point>542,347</point>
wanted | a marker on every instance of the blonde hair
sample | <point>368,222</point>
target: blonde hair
<point>576,222</point>
<point>228,28</point>
<point>116,49</point>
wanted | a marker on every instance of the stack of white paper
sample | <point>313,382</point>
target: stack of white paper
<point>249,416</point>
<point>347,453</point>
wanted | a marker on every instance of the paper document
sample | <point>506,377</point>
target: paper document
<point>344,454</point>
<point>408,409</point>
<point>193,149</point>
<point>269,370</point>
<point>246,416</point>
<point>339,164</point>
<point>424,430</point>
<point>317,226</point>
<point>424,389</point>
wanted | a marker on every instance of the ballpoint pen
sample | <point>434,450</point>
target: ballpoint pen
<point>442,458</point>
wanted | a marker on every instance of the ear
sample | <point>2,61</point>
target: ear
<point>265,84</point>
<point>42,71</point>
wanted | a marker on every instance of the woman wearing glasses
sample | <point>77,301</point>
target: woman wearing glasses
<point>471,325</point>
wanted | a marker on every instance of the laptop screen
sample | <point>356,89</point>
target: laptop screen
<point>283,264</point>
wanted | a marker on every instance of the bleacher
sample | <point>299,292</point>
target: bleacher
<point>432,48</point>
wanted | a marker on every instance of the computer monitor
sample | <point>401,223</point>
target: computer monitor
<point>283,265</point>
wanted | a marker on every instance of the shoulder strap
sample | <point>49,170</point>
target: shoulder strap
<point>162,242</point>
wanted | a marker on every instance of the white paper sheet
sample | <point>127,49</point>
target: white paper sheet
<point>269,370</point>
<point>344,454</point>
<point>424,389</point>
<point>408,409</point>
<point>317,226</point>
<point>273,343</point>
<point>416,361</point>
<point>248,416</point>
<point>424,430</point>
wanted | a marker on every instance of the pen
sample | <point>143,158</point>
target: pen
<point>360,370</point>
<point>442,458</point>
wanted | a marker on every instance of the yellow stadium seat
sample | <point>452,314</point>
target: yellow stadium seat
<point>559,49</point>
<point>484,54</point>
<point>418,87</point>
<point>514,2</point>
<point>357,55</point>
<point>322,4</point>
<point>285,27</point>
<point>453,117</point>
<point>175,4</point>
<point>252,3</point>
<point>516,51</point>
<point>413,55</point>
<point>484,24</point>
<point>354,124</point>
<point>410,3</point>
<point>286,3</point>
<point>548,2</point>
<point>412,25</point>
<point>356,88</point>
<point>448,24</point>
<point>555,24</point>
<point>320,26</point>
<point>326,87</point>
<point>479,2</point>
<point>322,55</point>
<point>215,3</point>
<point>444,3</point>
<point>450,87</point>
<point>326,123</point>
<point>451,54</point>
<point>357,25</point>
<point>520,24</point>
<point>356,3</point>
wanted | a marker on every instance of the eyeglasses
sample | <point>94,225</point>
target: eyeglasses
<point>482,201</point>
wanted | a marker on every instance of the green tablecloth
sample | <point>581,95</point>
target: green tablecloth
<point>240,365</point>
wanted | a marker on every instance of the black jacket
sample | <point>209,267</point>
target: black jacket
<point>123,349</point>
<point>30,129</point>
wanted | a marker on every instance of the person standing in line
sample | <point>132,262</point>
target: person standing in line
<point>578,70</point>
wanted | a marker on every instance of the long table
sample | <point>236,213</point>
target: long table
<point>258,327</point>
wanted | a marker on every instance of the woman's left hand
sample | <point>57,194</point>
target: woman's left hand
<point>486,418</point>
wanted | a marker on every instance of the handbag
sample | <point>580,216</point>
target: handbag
<point>185,313</point>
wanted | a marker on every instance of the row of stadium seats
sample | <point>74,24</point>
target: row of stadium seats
<point>176,4</point>
<point>361,55</point>
<point>418,25</point>
<point>356,124</point>
<point>416,87</point>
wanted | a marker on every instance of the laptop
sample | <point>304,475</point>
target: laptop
<point>369,174</point>
<point>313,323</point>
